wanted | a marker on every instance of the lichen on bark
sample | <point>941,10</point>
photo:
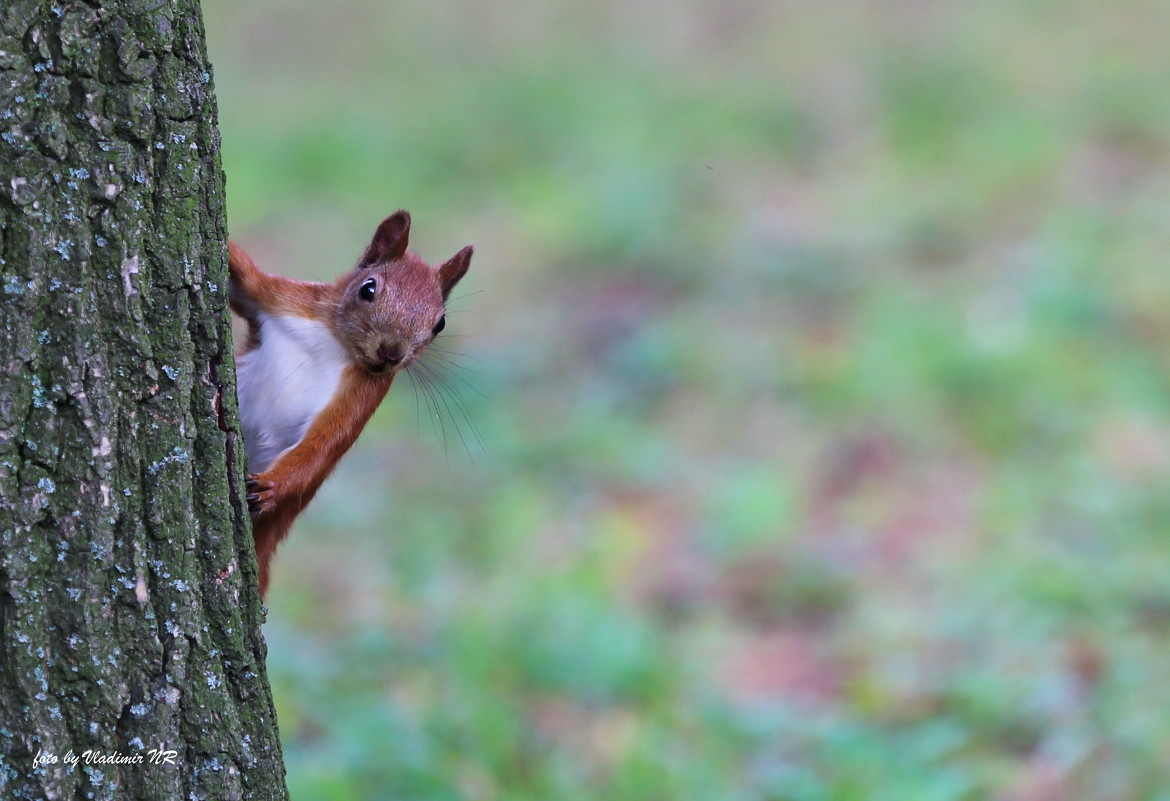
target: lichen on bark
<point>129,618</point>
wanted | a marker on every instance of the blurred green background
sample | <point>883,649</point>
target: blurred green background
<point>804,423</point>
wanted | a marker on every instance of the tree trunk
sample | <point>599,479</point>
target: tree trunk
<point>131,665</point>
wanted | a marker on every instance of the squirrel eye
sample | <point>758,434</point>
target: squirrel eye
<point>367,290</point>
<point>439,325</point>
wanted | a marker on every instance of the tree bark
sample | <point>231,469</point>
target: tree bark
<point>129,617</point>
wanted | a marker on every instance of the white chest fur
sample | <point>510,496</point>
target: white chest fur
<point>285,383</point>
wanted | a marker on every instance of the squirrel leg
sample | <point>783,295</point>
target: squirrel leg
<point>277,495</point>
<point>252,291</point>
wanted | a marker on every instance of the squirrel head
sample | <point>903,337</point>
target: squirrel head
<point>392,303</point>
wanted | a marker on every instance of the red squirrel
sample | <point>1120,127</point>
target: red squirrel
<point>317,361</point>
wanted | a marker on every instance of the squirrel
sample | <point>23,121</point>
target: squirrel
<point>318,359</point>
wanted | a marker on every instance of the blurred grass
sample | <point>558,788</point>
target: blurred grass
<point>819,357</point>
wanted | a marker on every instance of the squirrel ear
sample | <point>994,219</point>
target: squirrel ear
<point>389,240</point>
<point>453,269</point>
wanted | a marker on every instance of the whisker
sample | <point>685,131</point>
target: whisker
<point>417,418</point>
<point>448,364</point>
<point>452,394</point>
<point>438,409</point>
<point>437,423</point>
<point>445,396</point>
<point>449,352</point>
<point>441,381</point>
<point>467,295</point>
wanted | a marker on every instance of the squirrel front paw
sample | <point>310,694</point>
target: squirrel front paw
<point>261,495</point>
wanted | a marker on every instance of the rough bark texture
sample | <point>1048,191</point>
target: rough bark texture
<point>129,618</point>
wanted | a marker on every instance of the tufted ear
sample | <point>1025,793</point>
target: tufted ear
<point>389,240</point>
<point>453,269</point>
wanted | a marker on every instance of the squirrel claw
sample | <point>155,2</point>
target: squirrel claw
<point>254,482</point>
<point>260,495</point>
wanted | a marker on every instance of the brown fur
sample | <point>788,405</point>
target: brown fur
<point>409,302</point>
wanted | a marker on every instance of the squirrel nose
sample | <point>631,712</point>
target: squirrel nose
<point>390,354</point>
